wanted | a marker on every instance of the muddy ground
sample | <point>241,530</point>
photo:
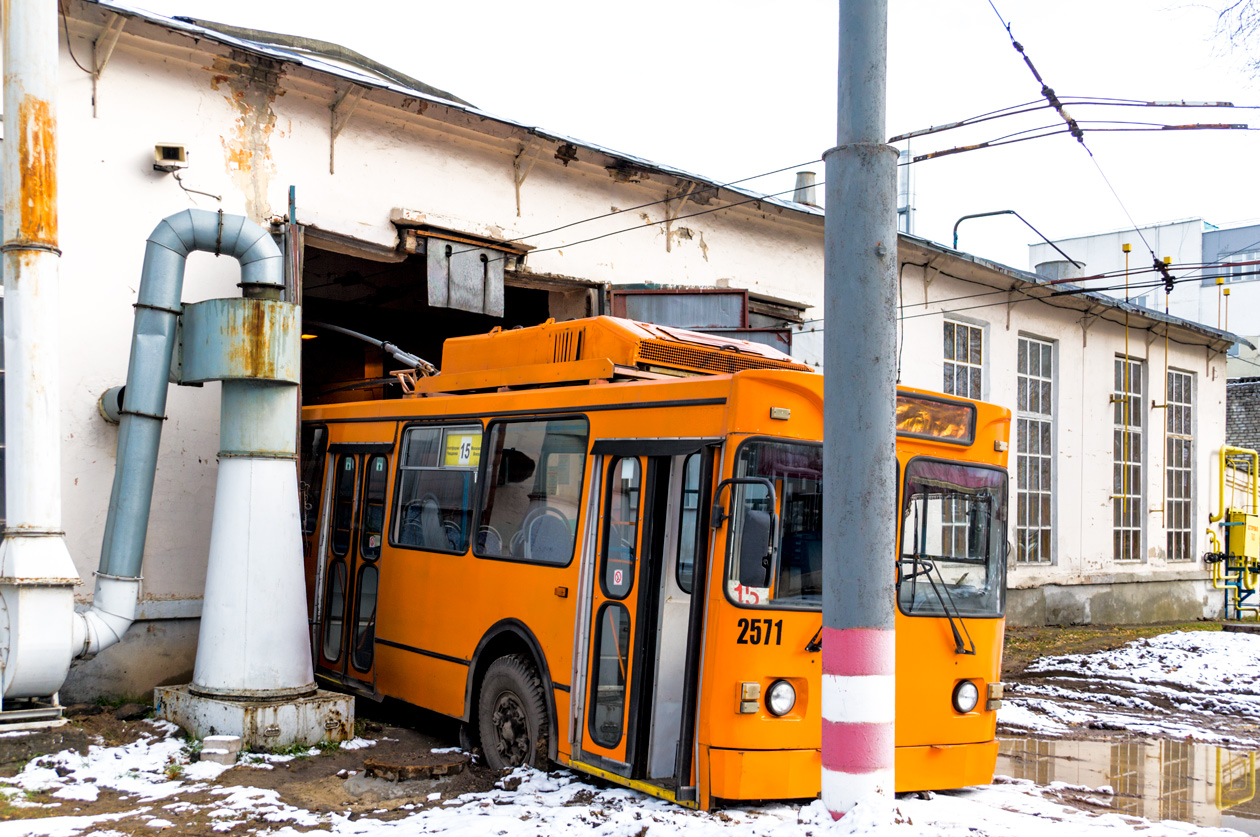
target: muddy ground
<point>1023,645</point>
<point>336,779</point>
<point>333,780</point>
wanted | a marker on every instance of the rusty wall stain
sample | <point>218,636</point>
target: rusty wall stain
<point>37,156</point>
<point>253,84</point>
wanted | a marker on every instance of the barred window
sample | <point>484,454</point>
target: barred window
<point>964,360</point>
<point>1126,495</point>
<point>1034,452</point>
<point>1179,482</point>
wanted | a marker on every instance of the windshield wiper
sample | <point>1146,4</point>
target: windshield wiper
<point>815,644</point>
<point>923,567</point>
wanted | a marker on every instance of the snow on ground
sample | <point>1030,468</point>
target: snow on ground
<point>153,771</point>
<point>1153,687</point>
<point>558,804</point>
<point>1176,685</point>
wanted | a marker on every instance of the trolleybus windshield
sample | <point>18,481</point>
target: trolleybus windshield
<point>790,574</point>
<point>953,540</point>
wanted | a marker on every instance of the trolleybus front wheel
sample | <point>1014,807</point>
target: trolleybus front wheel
<point>512,715</point>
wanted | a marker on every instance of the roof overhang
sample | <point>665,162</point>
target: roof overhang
<point>920,251</point>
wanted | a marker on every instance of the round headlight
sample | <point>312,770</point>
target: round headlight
<point>966,696</point>
<point>780,698</point>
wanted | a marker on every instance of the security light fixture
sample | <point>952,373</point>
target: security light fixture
<point>169,158</point>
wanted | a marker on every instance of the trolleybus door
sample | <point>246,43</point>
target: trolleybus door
<point>639,701</point>
<point>355,518</point>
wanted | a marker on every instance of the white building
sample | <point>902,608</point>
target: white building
<point>388,175</point>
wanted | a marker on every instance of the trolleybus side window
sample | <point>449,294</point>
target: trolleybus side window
<point>621,538</point>
<point>342,526</point>
<point>314,451</point>
<point>343,505</point>
<point>372,518</point>
<point>953,540</point>
<point>687,521</point>
<point>336,611</point>
<point>791,574</point>
<point>533,490</point>
<point>365,618</point>
<point>612,660</point>
<point>437,477</point>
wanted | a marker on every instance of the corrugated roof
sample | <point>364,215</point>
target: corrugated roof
<point>366,79</point>
<point>1078,292</point>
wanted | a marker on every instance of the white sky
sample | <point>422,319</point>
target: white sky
<point>734,88</point>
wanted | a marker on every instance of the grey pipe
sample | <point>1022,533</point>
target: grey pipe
<point>152,345</point>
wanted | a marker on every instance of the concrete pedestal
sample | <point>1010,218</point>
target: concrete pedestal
<point>262,725</point>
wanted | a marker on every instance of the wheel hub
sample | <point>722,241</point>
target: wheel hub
<point>511,729</point>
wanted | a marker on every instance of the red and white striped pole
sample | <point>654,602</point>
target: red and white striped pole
<point>859,399</point>
<point>858,699</point>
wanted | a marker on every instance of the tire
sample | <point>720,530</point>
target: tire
<point>512,715</point>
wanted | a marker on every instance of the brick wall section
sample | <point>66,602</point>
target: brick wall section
<point>1242,413</point>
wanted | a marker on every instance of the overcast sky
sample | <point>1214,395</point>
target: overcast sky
<point>731,89</point>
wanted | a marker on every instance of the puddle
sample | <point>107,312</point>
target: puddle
<point>1162,780</point>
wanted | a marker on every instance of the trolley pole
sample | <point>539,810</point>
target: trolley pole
<point>859,398</point>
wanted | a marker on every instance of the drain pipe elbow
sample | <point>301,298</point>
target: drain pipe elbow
<point>111,614</point>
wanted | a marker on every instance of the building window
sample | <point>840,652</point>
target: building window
<point>1126,495</point>
<point>1034,452</point>
<point>1179,445</point>
<point>964,359</point>
<point>1233,271</point>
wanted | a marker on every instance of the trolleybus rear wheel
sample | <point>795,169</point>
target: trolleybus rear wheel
<point>512,715</point>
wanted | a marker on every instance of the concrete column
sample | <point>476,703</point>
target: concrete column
<point>859,506</point>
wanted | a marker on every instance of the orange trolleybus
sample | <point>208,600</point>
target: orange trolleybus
<point>599,542</point>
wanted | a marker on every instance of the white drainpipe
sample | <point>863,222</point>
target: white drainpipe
<point>37,575</point>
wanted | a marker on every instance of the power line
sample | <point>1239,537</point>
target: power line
<point>1011,139</point>
<point>1037,105</point>
<point>1145,285</point>
<point>649,224</point>
<point>1073,127</point>
<point>692,194</point>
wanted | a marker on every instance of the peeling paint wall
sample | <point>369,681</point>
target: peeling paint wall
<point>251,84</point>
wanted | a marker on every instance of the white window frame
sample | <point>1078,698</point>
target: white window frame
<point>1034,451</point>
<point>972,364</point>
<point>1234,272</point>
<point>1179,471</point>
<point>1128,510</point>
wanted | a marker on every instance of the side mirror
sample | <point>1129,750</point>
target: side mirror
<point>721,514</point>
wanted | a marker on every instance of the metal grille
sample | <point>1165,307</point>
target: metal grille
<point>675,356</point>
<point>1126,496</point>
<point>566,346</point>
<point>1179,450</point>
<point>1034,455</point>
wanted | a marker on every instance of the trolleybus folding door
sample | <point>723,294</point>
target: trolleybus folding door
<point>639,700</point>
<point>355,518</point>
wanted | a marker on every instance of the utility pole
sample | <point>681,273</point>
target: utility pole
<point>859,398</point>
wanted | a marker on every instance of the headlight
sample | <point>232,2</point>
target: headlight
<point>966,696</point>
<point>780,698</point>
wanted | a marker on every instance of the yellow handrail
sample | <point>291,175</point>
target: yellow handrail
<point>1254,477</point>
